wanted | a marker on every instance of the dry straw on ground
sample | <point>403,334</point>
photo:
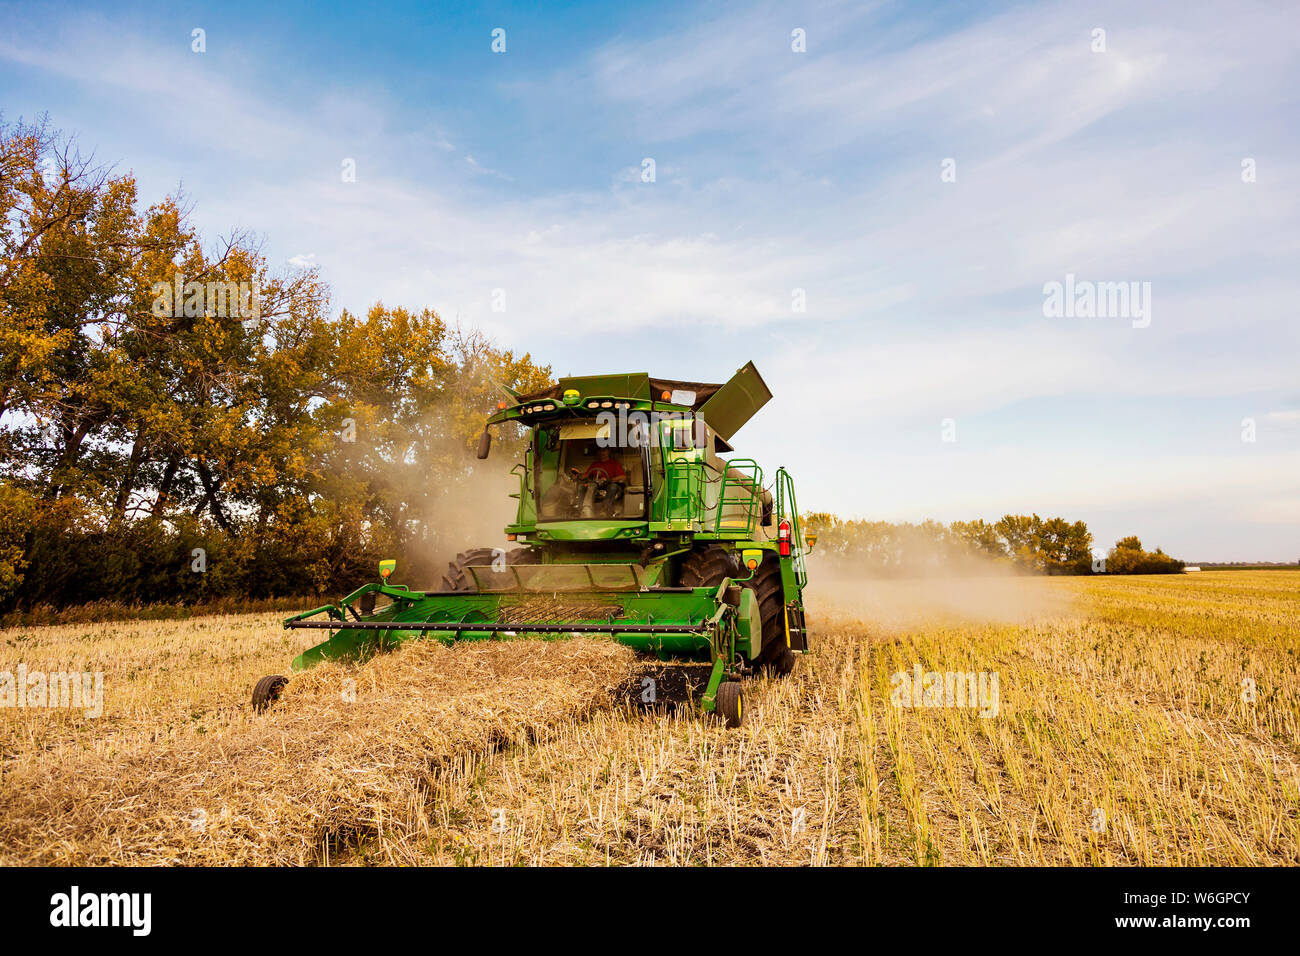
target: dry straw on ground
<point>1125,735</point>
<point>1146,720</point>
<point>347,752</point>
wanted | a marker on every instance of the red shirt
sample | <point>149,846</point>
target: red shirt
<point>609,470</point>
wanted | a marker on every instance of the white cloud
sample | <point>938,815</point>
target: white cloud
<point>481,170</point>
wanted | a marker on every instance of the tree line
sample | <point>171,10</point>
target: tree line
<point>1025,543</point>
<point>182,448</point>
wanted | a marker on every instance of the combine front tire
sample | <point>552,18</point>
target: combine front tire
<point>707,567</point>
<point>729,704</point>
<point>268,690</point>
<point>783,663</point>
<point>776,655</point>
<point>458,579</point>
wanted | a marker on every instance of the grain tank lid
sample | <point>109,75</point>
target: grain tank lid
<point>736,402</point>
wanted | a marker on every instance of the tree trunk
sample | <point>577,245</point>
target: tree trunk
<point>128,480</point>
<point>210,488</point>
<point>73,439</point>
<point>165,486</point>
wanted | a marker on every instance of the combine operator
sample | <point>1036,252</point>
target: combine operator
<point>609,479</point>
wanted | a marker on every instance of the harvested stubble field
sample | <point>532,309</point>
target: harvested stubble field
<point>1143,720</point>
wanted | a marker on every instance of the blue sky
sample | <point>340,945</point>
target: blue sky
<point>777,171</point>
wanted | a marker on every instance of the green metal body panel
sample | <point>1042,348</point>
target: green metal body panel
<point>749,625</point>
<point>587,530</point>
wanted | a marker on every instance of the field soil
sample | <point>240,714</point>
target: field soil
<point>1061,721</point>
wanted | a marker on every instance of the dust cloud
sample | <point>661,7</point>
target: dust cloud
<point>474,515</point>
<point>978,593</point>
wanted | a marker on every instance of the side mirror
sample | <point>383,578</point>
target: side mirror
<point>810,540</point>
<point>484,443</point>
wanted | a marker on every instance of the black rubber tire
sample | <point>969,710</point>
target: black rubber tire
<point>783,663</point>
<point>706,567</point>
<point>458,579</point>
<point>776,655</point>
<point>268,690</point>
<point>730,704</point>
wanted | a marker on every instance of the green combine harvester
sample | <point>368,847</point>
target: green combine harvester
<point>631,527</point>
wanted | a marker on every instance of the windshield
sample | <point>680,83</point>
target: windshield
<point>583,473</point>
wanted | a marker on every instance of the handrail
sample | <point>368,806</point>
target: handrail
<point>525,494</point>
<point>784,491</point>
<point>748,478</point>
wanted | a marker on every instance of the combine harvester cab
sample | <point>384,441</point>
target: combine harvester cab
<point>631,526</point>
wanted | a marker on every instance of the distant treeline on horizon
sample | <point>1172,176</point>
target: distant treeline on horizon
<point>1024,543</point>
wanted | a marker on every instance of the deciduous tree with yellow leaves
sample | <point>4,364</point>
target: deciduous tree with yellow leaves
<point>291,444</point>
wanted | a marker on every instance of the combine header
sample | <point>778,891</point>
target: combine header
<point>631,527</point>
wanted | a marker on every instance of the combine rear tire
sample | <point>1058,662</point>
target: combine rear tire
<point>268,690</point>
<point>458,579</point>
<point>730,704</point>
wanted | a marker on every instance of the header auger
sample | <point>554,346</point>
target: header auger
<point>630,526</point>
